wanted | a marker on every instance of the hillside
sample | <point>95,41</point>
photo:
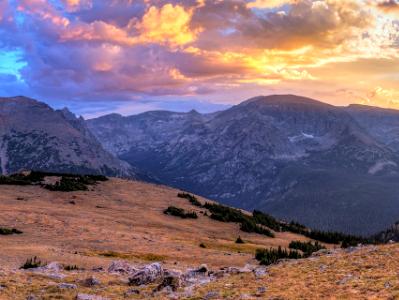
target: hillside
<point>293,157</point>
<point>360,273</point>
<point>34,136</point>
<point>114,220</point>
<point>91,242</point>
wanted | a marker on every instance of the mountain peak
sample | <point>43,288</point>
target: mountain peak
<point>20,100</point>
<point>283,99</point>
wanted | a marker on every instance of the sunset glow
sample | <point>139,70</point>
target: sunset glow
<point>134,55</point>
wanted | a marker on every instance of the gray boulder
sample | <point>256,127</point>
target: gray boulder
<point>172,280</point>
<point>91,281</point>
<point>148,274</point>
<point>67,286</point>
<point>89,297</point>
<point>121,267</point>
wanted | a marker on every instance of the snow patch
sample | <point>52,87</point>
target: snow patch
<point>380,165</point>
<point>301,137</point>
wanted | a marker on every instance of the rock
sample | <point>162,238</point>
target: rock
<point>147,274</point>
<point>53,267</point>
<point>346,279</point>
<point>196,276</point>
<point>91,281</point>
<point>188,292</point>
<point>260,272</point>
<point>237,270</point>
<point>352,249</point>
<point>201,270</point>
<point>122,267</point>
<point>51,270</point>
<point>322,268</point>
<point>211,295</point>
<point>31,297</point>
<point>98,269</point>
<point>172,279</point>
<point>261,290</point>
<point>132,292</point>
<point>89,297</point>
<point>323,252</point>
<point>67,286</point>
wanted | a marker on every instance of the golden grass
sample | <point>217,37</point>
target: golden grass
<point>129,256</point>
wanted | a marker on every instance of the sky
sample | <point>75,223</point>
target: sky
<point>130,56</point>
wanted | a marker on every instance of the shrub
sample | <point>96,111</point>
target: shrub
<point>248,225</point>
<point>13,181</point>
<point>180,212</point>
<point>266,220</point>
<point>32,263</point>
<point>329,237</point>
<point>72,268</point>
<point>9,231</point>
<point>193,200</point>
<point>202,245</point>
<point>227,214</point>
<point>271,256</point>
<point>307,248</point>
<point>239,240</point>
<point>294,227</point>
<point>224,213</point>
<point>68,184</point>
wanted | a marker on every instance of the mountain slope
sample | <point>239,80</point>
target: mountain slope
<point>116,220</point>
<point>291,156</point>
<point>382,124</point>
<point>34,136</point>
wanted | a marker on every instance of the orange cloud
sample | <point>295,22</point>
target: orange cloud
<point>73,5</point>
<point>167,25</point>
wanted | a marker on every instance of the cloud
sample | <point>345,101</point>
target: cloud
<point>168,25</point>
<point>74,5</point>
<point>83,50</point>
<point>269,3</point>
<point>389,6</point>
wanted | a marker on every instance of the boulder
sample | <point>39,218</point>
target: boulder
<point>91,281</point>
<point>89,297</point>
<point>51,270</point>
<point>172,279</point>
<point>260,272</point>
<point>67,286</point>
<point>131,292</point>
<point>148,274</point>
<point>121,267</point>
<point>212,295</point>
<point>196,276</point>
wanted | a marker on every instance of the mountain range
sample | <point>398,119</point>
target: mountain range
<point>328,167</point>
<point>332,168</point>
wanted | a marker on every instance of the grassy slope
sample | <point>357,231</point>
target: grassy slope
<point>366,273</point>
<point>118,219</point>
